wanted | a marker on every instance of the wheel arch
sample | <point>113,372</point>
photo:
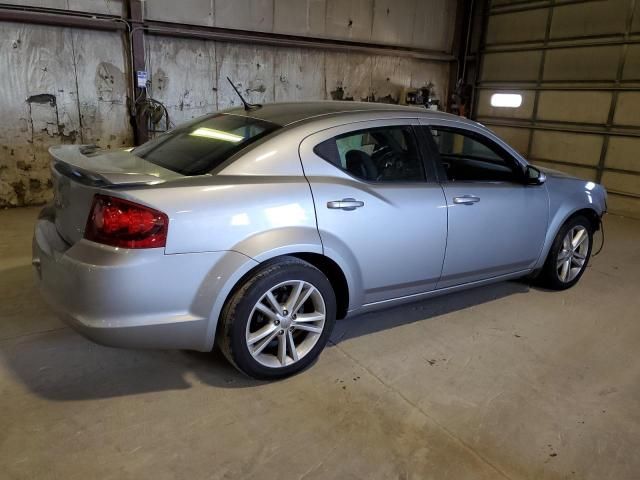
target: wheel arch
<point>590,214</point>
<point>326,265</point>
<point>335,275</point>
<point>556,224</point>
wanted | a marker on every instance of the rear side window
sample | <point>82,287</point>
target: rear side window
<point>200,146</point>
<point>384,154</point>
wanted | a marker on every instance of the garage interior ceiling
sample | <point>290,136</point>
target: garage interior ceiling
<point>577,66</point>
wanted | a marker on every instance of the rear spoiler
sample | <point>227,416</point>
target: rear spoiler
<point>74,161</point>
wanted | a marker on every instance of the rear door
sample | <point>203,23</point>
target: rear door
<point>378,206</point>
<point>497,223</point>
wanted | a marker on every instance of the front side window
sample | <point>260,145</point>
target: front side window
<point>468,156</point>
<point>384,154</point>
<point>200,146</point>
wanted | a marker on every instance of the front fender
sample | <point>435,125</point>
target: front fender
<point>585,195</point>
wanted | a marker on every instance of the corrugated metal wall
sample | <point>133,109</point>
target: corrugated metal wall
<point>65,85</point>
<point>577,66</point>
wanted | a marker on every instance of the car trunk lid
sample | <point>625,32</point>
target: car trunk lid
<point>81,171</point>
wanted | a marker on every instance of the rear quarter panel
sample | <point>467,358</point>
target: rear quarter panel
<point>260,205</point>
<point>260,210</point>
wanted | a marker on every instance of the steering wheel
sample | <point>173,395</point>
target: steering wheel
<point>383,158</point>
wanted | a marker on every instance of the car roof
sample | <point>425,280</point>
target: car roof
<point>287,113</point>
<point>290,115</point>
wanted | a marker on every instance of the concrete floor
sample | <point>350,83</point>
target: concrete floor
<point>504,381</point>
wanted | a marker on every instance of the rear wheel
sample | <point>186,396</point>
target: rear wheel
<point>569,254</point>
<point>279,320</point>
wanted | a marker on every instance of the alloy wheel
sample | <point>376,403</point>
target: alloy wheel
<point>285,324</point>
<point>573,254</point>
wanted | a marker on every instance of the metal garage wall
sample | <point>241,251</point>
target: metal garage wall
<point>577,65</point>
<point>68,85</point>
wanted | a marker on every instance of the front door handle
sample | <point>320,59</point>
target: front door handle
<point>345,204</point>
<point>466,200</point>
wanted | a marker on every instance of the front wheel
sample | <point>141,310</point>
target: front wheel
<point>279,320</point>
<point>569,254</point>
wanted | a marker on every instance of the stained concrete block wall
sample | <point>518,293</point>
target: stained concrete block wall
<point>105,7</point>
<point>62,85</point>
<point>189,76</point>
<point>418,23</point>
<point>58,86</point>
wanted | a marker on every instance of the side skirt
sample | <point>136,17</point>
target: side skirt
<point>368,307</point>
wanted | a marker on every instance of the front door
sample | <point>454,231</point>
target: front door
<point>497,222</point>
<point>378,207</point>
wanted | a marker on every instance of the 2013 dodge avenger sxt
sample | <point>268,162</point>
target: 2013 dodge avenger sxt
<point>256,228</point>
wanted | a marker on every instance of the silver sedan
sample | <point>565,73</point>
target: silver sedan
<point>256,229</point>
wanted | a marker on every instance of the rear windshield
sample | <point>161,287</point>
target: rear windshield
<point>199,147</point>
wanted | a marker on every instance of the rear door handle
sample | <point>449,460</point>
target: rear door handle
<point>466,200</point>
<point>345,204</point>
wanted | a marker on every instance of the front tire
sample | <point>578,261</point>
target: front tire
<point>569,254</point>
<point>279,320</point>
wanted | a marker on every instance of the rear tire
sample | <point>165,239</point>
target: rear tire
<point>569,254</point>
<point>279,320</point>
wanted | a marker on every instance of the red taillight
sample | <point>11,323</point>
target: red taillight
<point>121,223</point>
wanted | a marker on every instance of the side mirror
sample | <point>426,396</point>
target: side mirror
<point>533,176</point>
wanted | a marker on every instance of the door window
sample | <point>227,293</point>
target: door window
<point>468,156</point>
<point>385,154</point>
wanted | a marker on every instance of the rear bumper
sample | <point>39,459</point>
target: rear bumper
<point>132,298</point>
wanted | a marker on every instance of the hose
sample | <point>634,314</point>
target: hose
<point>602,244</point>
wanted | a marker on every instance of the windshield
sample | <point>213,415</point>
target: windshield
<point>200,146</point>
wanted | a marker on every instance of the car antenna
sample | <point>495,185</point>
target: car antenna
<point>247,106</point>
